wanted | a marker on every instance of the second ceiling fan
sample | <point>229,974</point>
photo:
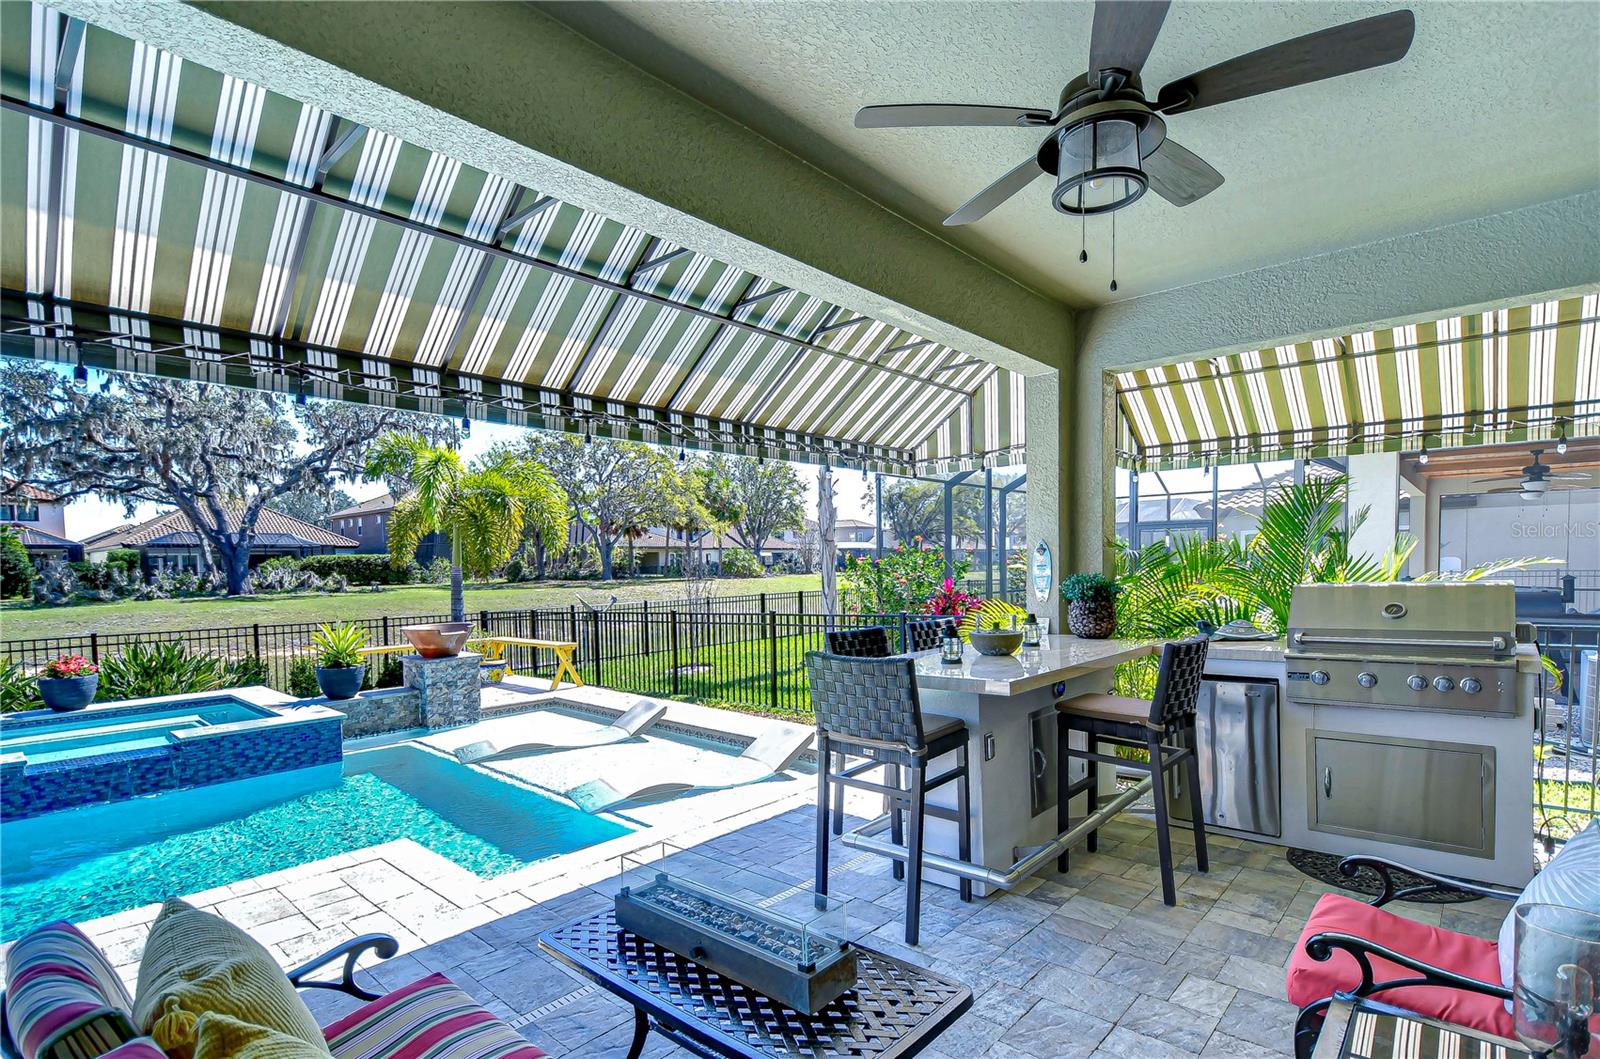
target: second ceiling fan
<point>1108,142</point>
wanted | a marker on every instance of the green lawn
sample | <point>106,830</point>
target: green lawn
<point>26,621</point>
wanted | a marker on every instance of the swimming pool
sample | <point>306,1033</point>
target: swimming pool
<point>84,863</point>
<point>86,734</point>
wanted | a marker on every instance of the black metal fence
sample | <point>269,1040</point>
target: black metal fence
<point>1568,739</point>
<point>746,651</point>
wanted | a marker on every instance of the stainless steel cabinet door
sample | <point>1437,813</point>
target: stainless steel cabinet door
<point>1431,794</point>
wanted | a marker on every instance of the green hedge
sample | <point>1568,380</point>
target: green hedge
<point>360,570</point>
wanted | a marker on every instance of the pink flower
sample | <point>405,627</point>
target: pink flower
<point>70,666</point>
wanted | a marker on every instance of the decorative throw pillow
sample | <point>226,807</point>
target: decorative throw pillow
<point>1572,879</point>
<point>63,999</point>
<point>219,1036</point>
<point>195,963</point>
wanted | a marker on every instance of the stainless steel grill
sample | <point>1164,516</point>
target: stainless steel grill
<point>1431,646</point>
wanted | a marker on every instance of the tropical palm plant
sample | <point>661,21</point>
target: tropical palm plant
<point>1302,538</point>
<point>483,509</point>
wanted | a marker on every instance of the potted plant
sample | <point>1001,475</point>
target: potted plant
<point>340,668</point>
<point>69,682</point>
<point>1091,605</point>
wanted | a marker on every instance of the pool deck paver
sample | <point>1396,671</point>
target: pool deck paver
<point>1056,973</point>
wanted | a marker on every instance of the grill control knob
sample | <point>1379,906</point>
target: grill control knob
<point>1443,684</point>
<point>1471,685</point>
<point>1367,680</point>
<point>1417,682</point>
<point>1318,677</point>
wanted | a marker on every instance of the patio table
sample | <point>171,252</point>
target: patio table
<point>895,1010</point>
<point>1368,1029</point>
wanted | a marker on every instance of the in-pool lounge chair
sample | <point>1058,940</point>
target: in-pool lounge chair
<point>769,755</point>
<point>643,714</point>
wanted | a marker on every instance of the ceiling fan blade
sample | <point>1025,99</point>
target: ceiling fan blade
<point>923,115</point>
<point>1179,175</point>
<point>1501,478</point>
<point>1570,477</point>
<point>1345,49</point>
<point>979,205</point>
<point>1124,32</point>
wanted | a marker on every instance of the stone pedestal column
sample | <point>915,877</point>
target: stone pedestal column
<point>447,687</point>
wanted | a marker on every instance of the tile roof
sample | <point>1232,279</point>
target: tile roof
<point>380,503</point>
<point>177,529</point>
<point>10,487</point>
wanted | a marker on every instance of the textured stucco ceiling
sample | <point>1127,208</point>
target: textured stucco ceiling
<point>1496,106</point>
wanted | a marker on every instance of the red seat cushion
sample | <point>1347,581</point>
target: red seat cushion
<point>1311,980</point>
<point>428,1019</point>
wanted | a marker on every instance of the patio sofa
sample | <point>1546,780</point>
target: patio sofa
<point>63,1001</point>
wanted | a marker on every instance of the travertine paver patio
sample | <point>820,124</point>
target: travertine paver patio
<point>1086,965</point>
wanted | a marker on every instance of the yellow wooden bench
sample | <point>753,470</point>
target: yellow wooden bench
<point>494,651</point>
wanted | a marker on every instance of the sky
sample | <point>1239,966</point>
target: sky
<point>91,515</point>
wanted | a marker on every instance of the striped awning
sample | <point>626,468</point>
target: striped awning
<point>163,217</point>
<point>1524,373</point>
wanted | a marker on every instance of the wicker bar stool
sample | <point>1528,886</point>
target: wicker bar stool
<point>871,641</point>
<point>925,634</point>
<point>869,708</point>
<point>1164,727</point>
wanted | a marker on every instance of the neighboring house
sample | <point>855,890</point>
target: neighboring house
<point>39,517</point>
<point>655,550</point>
<point>367,523</point>
<point>169,541</point>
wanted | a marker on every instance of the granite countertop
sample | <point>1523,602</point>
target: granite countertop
<point>1060,658</point>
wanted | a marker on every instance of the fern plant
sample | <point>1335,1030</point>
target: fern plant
<point>144,670</point>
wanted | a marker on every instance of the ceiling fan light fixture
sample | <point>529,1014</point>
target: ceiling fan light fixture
<point>1099,170</point>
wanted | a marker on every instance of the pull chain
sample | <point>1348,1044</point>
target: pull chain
<point>1083,229</point>
<point>1114,246</point>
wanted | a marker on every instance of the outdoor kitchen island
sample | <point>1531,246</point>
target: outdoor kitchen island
<point>1405,719</point>
<point>1008,704</point>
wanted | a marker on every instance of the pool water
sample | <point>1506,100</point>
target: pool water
<point>84,863</point>
<point>91,733</point>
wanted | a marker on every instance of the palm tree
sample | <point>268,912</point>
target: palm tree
<point>483,509</point>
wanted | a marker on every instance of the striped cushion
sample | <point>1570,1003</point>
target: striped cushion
<point>428,1019</point>
<point>138,1048</point>
<point>63,1000</point>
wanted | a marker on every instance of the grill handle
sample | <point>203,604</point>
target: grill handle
<point>1494,643</point>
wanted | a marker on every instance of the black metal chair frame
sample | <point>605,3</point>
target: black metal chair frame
<point>1164,721</point>
<point>907,806</point>
<point>381,945</point>
<point>1308,1025</point>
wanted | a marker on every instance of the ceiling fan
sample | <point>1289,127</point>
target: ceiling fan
<point>1107,142</point>
<point>1536,479</point>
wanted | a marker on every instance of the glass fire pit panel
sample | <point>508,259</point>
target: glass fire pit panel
<point>768,933</point>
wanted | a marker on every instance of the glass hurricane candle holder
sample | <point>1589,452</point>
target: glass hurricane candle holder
<point>1557,960</point>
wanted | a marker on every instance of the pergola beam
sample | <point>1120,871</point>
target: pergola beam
<point>651,264</point>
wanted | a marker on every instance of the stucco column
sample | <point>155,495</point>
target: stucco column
<point>1051,486</point>
<point>1375,485</point>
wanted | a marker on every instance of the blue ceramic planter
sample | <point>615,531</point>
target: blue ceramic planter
<point>68,693</point>
<point>342,683</point>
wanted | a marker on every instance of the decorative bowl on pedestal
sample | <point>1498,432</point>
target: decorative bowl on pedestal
<point>440,639</point>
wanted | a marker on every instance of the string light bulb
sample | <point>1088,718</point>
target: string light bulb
<point>1561,443</point>
<point>1422,457</point>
